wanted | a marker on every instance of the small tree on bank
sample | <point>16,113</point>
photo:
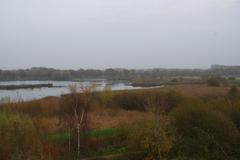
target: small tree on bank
<point>76,106</point>
<point>233,93</point>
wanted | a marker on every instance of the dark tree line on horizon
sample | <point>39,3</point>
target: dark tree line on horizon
<point>42,73</point>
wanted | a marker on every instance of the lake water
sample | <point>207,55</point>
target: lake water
<point>60,87</point>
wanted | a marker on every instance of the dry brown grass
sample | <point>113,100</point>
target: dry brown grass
<point>48,124</point>
<point>111,118</point>
<point>200,90</point>
<point>100,118</point>
<point>45,111</point>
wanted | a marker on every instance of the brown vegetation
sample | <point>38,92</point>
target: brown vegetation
<point>200,91</point>
<point>181,122</point>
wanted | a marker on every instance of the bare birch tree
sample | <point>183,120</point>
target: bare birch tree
<point>78,105</point>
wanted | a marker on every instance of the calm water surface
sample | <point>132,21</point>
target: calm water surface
<point>60,87</point>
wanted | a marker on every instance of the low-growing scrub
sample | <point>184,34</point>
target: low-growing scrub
<point>146,100</point>
<point>147,124</point>
<point>19,138</point>
<point>204,133</point>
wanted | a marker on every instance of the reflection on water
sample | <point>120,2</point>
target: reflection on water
<point>60,87</point>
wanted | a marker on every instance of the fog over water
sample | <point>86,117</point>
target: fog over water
<point>119,33</point>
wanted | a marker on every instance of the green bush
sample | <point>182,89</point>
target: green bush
<point>19,139</point>
<point>163,102</point>
<point>231,78</point>
<point>213,82</point>
<point>229,107</point>
<point>152,138</point>
<point>204,133</point>
<point>147,100</point>
<point>233,93</point>
<point>130,100</point>
<point>105,96</point>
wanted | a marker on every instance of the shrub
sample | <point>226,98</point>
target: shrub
<point>230,108</point>
<point>213,82</point>
<point>43,107</point>
<point>19,137</point>
<point>147,100</point>
<point>233,93</point>
<point>153,139</point>
<point>232,78</point>
<point>204,133</point>
<point>130,101</point>
<point>163,102</point>
<point>105,96</point>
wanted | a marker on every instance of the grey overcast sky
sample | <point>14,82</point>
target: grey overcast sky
<point>119,33</point>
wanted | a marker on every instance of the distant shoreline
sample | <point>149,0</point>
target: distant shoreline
<point>25,86</point>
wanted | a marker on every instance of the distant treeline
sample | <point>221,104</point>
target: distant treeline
<point>41,73</point>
